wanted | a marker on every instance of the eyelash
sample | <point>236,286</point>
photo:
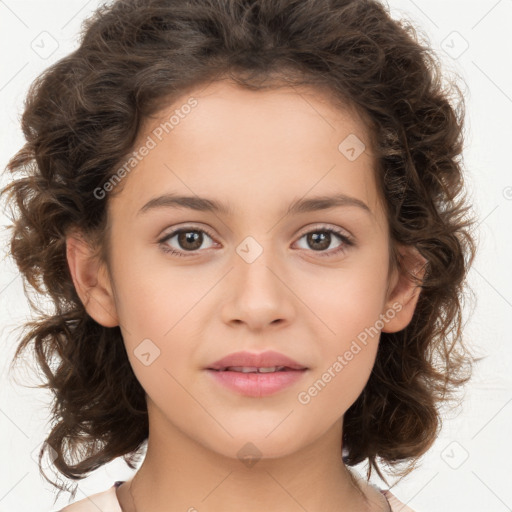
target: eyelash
<point>347,241</point>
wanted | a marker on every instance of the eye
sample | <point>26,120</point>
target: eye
<point>321,239</point>
<point>189,239</point>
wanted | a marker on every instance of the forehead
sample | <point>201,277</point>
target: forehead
<point>224,141</point>
<point>224,103</point>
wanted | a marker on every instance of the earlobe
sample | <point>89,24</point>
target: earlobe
<point>91,281</point>
<point>405,292</point>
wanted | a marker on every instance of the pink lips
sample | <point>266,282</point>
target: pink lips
<point>258,360</point>
<point>256,384</point>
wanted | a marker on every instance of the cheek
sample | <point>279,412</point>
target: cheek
<point>338,381</point>
<point>345,305</point>
<point>153,298</point>
<point>341,380</point>
<point>346,360</point>
<point>155,308</point>
<point>348,311</point>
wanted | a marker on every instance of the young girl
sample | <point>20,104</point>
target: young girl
<point>309,154</point>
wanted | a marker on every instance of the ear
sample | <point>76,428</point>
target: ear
<point>91,280</point>
<point>403,293</point>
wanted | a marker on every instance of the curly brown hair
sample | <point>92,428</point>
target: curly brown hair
<point>81,120</point>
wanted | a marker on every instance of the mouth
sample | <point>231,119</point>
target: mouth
<point>253,369</point>
<point>269,361</point>
<point>256,374</point>
<point>256,382</point>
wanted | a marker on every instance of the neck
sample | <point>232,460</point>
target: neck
<point>180,474</point>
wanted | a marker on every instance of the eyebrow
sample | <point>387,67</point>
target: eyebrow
<point>204,204</point>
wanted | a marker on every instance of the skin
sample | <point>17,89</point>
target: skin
<point>257,151</point>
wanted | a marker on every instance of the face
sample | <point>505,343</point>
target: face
<point>310,283</point>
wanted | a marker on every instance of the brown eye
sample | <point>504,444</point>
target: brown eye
<point>187,240</point>
<point>320,240</point>
<point>190,240</point>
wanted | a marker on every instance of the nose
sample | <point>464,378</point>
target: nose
<point>258,290</point>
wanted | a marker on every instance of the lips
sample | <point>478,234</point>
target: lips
<point>256,375</point>
<point>255,369</point>
<point>248,362</point>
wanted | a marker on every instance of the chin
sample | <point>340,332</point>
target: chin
<point>254,444</point>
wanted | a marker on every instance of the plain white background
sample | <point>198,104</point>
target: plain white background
<point>468,468</point>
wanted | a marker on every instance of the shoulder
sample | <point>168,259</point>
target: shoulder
<point>383,499</point>
<point>106,501</point>
<point>395,504</point>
